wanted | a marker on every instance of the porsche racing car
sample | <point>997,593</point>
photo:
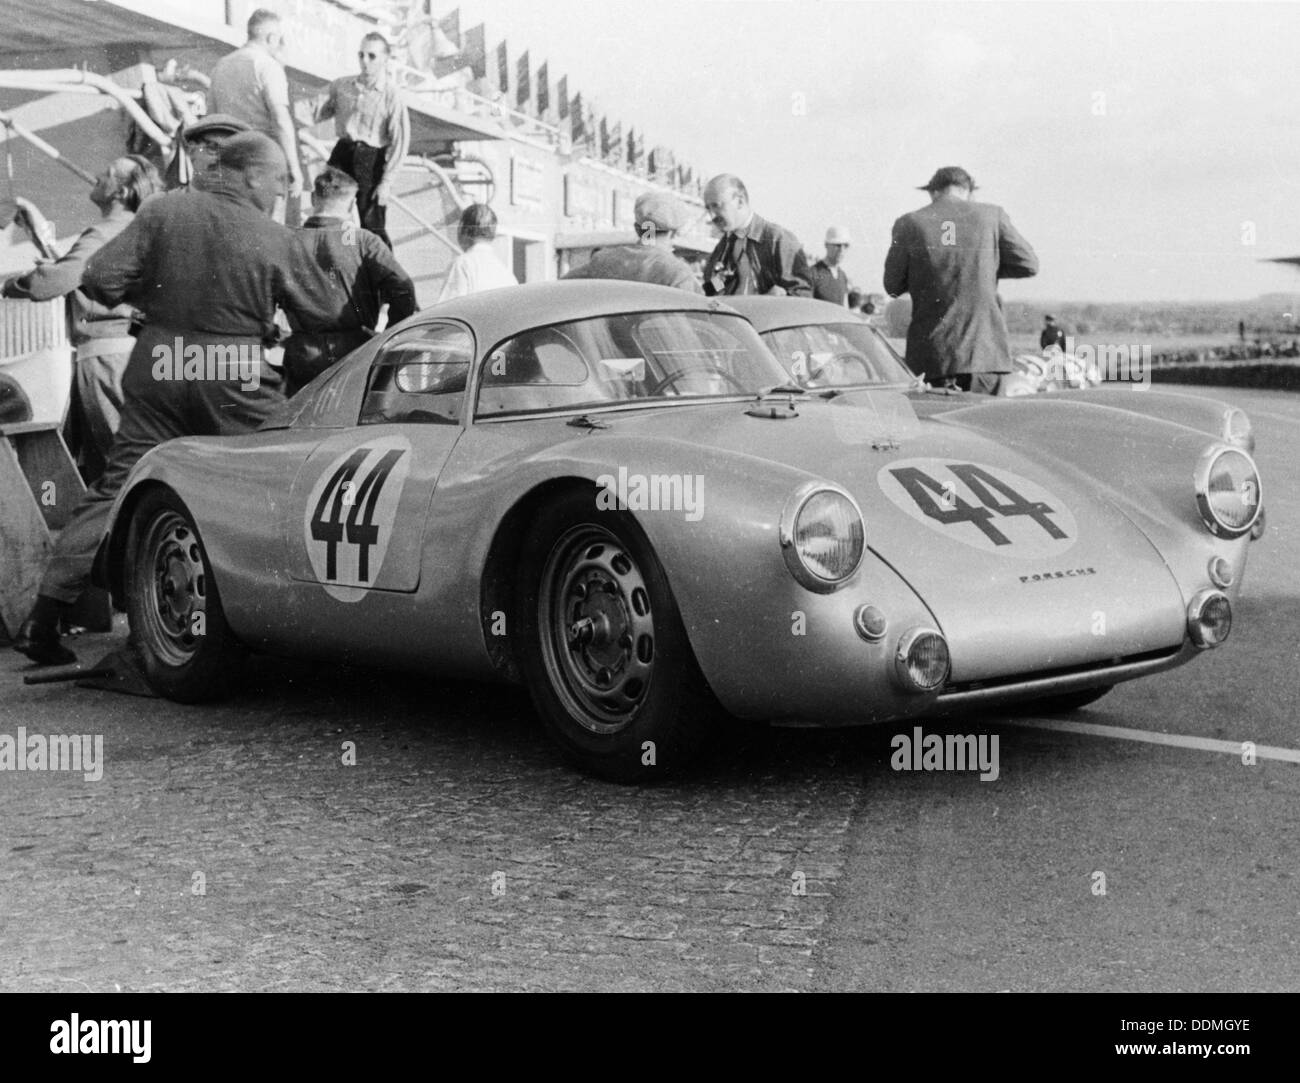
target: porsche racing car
<point>613,493</point>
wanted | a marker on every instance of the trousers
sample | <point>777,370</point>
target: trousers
<point>365,165</point>
<point>153,411</point>
<point>96,408</point>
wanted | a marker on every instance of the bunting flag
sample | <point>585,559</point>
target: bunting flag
<point>473,51</point>
<point>543,90</point>
<point>613,153</point>
<point>562,97</point>
<point>662,163</point>
<point>450,25</point>
<point>523,81</point>
<point>578,118</point>
<point>503,69</point>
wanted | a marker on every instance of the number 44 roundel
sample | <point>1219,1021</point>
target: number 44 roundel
<point>985,507</point>
<point>350,515</point>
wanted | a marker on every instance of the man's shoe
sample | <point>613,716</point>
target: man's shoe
<point>41,644</point>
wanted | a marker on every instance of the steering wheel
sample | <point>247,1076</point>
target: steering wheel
<point>673,377</point>
<point>846,359</point>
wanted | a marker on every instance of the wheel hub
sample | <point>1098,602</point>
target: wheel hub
<point>598,628</point>
<point>179,589</point>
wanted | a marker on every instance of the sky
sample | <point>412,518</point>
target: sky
<point>1148,151</point>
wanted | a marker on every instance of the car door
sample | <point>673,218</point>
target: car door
<point>356,513</point>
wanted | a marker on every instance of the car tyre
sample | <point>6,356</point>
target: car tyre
<point>604,653</point>
<point>179,633</point>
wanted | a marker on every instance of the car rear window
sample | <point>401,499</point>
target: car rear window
<point>419,376</point>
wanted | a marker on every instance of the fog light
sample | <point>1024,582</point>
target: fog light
<point>869,622</point>
<point>1209,618</point>
<point>921,663</point>
<point>1220,572</point>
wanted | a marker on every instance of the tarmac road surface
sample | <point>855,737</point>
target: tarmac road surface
<point>228,847</point>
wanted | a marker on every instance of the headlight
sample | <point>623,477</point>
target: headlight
<point>1228,491</point>
<point>822,537</point>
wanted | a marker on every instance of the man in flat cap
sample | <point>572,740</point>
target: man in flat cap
<point>830,282</point>
<point>754,255</point>
<point>949,257</point>
<point>197,149</point>
<point>659,216</point>
<point>207,268</point>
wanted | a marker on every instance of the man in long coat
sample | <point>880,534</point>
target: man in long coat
<point>949,257</point>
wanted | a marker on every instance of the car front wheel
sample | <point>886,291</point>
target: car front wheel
<point>606,658</point>
<point>178,629</point>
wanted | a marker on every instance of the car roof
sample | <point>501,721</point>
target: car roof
<point>498,314</point>
<point>771,313</point>
<point>493,315</point>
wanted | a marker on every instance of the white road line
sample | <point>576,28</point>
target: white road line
<point>1119,733</point>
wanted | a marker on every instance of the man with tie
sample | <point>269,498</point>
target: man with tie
<point>754,255</point>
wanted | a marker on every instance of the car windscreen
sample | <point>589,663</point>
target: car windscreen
<point>837,355</point>
<point>626,358</point>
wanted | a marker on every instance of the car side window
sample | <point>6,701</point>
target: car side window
<point>420,376</point>
<point>537,370</point>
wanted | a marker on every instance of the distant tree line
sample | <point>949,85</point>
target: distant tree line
<point>1271,314</point>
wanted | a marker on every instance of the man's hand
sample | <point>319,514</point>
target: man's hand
<point>295,185</point>
<point>776,291</point>
<point>382,192</point>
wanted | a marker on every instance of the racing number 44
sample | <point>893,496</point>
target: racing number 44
<point>940,502</point>
<point>359,527</point>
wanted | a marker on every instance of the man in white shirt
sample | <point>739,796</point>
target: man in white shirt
<point>250,84</point>
<point>478,268</point>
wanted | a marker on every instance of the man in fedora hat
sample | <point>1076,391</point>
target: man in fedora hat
<point>658,218</point>
<point>949,257</point>
<point>830,283</point>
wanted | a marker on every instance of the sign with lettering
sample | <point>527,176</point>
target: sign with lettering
<point>527,183</point>
<point>581,197</point>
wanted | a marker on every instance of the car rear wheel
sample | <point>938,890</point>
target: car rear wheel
<point>604,653</point>
<point>178,629</point>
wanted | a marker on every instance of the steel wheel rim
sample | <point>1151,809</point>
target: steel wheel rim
<point>597,629</point>
<point>176,589</point>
